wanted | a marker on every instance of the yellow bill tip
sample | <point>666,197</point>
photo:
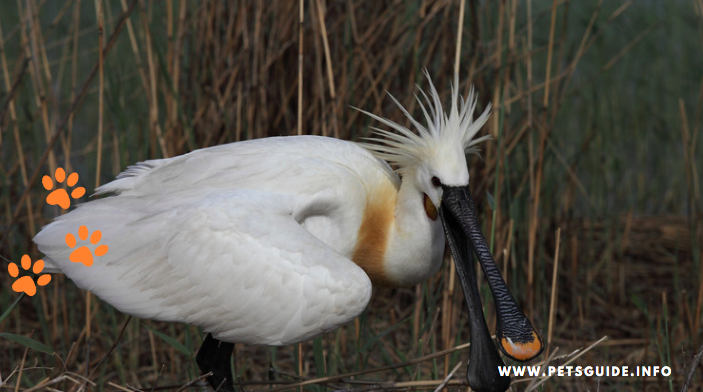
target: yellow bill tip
<point>522,351</point>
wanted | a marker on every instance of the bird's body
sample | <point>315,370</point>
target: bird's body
<point>275,241</point>
<point>258,242</point>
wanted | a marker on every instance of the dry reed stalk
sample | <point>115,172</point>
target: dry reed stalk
<point>31,37</point>
<point>545,102</point>
<point>11,89</point>
<point>300,363</point>
<point>494,150</point>
<point>556,103</point>
<point>44,61</point>
<point>301,25</point>
<point>448,377</point>
<point>689,143</point>
<point>63,62</point>
<point>44,385</point>
<point>506,252</point>
<point>318,107</point>
<point>67,152</point>
<point>330,72</point>
<point>581,49</point>
<point>169,98</point>
<point>448,291</point>
<point>101,91</point>
<point>121,388</point>
<point>534,220</point>
<point>539,170</point>
<point>577,356</point>
<point>20,372</point>
<point>62,124</point>
<point>555,288</point>
<point>417,316</point>
<point>426,339</point>
<point>694,197</point>
<point>447,306</point>
<point>154,125</point>
<point>699,300</point>
<point>569,171</point>
<point>176,73</point>
<point>544,85</point>
<point>91,372</point>
<point>74,77</point>
<point>534,381</point>
<point>460,29</point>
<point>692,369</point>
<point>628,47</point>
<point>152,346</point>
<point>328,379</point>
<point>529,63</point>
<point>135,49</point>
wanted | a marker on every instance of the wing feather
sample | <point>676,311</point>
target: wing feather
<point>235,263</point>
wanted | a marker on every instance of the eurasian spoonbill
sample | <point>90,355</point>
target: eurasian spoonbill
<point>275,241</point>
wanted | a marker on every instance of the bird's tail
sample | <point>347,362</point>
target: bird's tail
<point>50,266</point>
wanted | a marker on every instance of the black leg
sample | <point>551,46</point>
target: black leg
<point>216,357</point>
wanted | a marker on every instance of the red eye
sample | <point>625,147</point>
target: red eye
<point>436,181</point>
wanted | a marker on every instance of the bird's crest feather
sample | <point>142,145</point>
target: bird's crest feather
<point>404,148</point>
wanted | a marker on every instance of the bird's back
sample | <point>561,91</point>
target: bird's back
<point>292,165</point>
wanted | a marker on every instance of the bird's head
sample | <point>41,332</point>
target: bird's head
<point>436,155</point>
<point>434,161</point>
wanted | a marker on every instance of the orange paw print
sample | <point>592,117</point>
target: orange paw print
<point>60,196</point>
<point>26,283</point>
<point>83,254</point>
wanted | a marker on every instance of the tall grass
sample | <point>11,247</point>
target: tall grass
<point>597,114</point>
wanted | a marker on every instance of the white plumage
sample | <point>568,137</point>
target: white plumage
<point>252,240</point>
<point>275,241</point>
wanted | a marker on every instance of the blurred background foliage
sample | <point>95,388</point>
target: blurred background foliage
<point>607,153</point>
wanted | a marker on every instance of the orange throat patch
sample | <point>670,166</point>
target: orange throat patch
<point>372,239</point>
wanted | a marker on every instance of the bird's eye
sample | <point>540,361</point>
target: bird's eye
<point>436,181</point>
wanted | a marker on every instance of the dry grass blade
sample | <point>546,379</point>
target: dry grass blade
<point>460,29</point>
<point>449,377</point>
<point>59,379</point>
<point>21,371</point>
<point>119,387</point>
<point>534,383</point>
<point>692,369</point>
<point>112,348</point>
<point>323,380</point>
<point>555,287</point>
<point>190,383</point>
<point>544,379</point>
<point>12,90</point>
<point>629,46</point>
<point>301,26</point>
<point>552,29</point>
<point>15,125</point>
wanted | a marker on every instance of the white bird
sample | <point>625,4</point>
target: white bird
<point>275,241</point>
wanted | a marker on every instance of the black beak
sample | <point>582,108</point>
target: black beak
<point>516,336</point>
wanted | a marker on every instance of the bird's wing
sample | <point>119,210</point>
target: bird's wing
<point>236,263</point>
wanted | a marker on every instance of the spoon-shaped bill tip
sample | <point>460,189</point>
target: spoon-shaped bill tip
<point>522,349</point>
